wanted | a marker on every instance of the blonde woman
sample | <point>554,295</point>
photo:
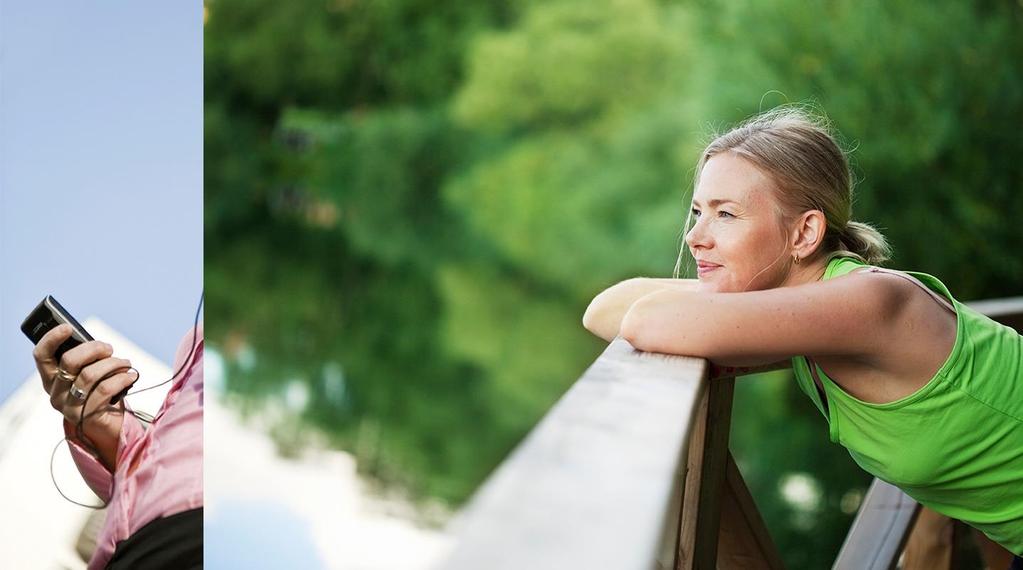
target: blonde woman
<point>924,392</point>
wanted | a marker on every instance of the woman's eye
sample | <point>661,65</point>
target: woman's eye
<point>721,214</point>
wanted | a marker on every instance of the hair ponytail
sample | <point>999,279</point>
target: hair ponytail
<point>862,241</point>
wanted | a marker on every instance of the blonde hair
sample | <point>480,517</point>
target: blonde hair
<point>796,149</point>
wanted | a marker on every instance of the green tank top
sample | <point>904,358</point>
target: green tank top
<point>956,444</point>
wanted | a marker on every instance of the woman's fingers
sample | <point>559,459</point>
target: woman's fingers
<point>108,388</point>
<point>76,359</point>
<point>73,362</point>
<point>44,349</point>
<point>47,345</point>
<point>105,385</point>
<point>94,372</point>
<point>102,372</point>
<point>43,353</point>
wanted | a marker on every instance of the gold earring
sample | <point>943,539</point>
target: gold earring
<point>795,258</point>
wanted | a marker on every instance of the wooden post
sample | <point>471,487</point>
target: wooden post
<point>705,479</point>
<point>931,542</point>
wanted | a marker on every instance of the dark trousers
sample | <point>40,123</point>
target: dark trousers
<point>167,543</point>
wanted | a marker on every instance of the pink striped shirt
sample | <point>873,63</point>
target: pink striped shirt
<point>167,458</point>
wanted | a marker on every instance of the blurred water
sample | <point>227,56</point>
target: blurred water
<point>255,535</point>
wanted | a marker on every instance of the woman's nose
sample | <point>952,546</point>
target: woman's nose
<point>697,236</point>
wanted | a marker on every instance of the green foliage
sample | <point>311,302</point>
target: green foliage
<point>264,55</point>
<point>922,92</point>
<point>576,212</point>
<point>518,335</point>
<point>382,172</point>
<point>409,204</point>
<point>593,99</point>
<point>572,62</point>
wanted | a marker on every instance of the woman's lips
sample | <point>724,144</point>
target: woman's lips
<point>705,268</point>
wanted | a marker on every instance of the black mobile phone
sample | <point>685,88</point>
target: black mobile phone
<point>50,314</point>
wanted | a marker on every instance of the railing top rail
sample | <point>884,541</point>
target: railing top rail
<point>598,482</point>
<point>1008,311</point>
<point>998,307</point>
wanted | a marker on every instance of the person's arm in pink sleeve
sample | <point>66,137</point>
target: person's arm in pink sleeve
<point>96,474</point>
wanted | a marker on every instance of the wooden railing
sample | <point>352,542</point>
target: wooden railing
<point>631,470</point>
<point>598,482</point>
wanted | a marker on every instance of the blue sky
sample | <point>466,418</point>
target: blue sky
<point>100,169</point>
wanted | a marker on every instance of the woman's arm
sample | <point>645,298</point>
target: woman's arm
<point>851,315</point>
<point>604,315</point>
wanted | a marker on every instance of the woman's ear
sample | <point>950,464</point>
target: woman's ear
<point>808,233</point>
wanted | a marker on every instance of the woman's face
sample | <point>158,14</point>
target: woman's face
<point>738,238</point>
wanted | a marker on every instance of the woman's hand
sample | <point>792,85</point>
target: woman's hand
<point>604,315</point>
<point>88,363</point>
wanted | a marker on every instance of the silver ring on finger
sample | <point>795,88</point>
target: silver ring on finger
<point>77,393</point>
<point>65,375</point>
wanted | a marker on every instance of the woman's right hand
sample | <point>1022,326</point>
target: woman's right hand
<point>89,363</point>
<point>604,315</point>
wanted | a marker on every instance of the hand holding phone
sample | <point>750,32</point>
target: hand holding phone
<point>48,315</point>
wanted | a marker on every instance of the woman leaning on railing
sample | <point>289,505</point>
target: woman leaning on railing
<point>923,391</point>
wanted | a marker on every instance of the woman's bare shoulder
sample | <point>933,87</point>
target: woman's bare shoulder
<point>924,332</point>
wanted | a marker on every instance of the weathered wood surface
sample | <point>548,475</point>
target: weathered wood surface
<point>598,482</point>
<point>880,530</point>
<point>932,543</point>
<point>705,478</point>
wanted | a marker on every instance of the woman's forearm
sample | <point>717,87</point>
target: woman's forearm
<point>604,315</point>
